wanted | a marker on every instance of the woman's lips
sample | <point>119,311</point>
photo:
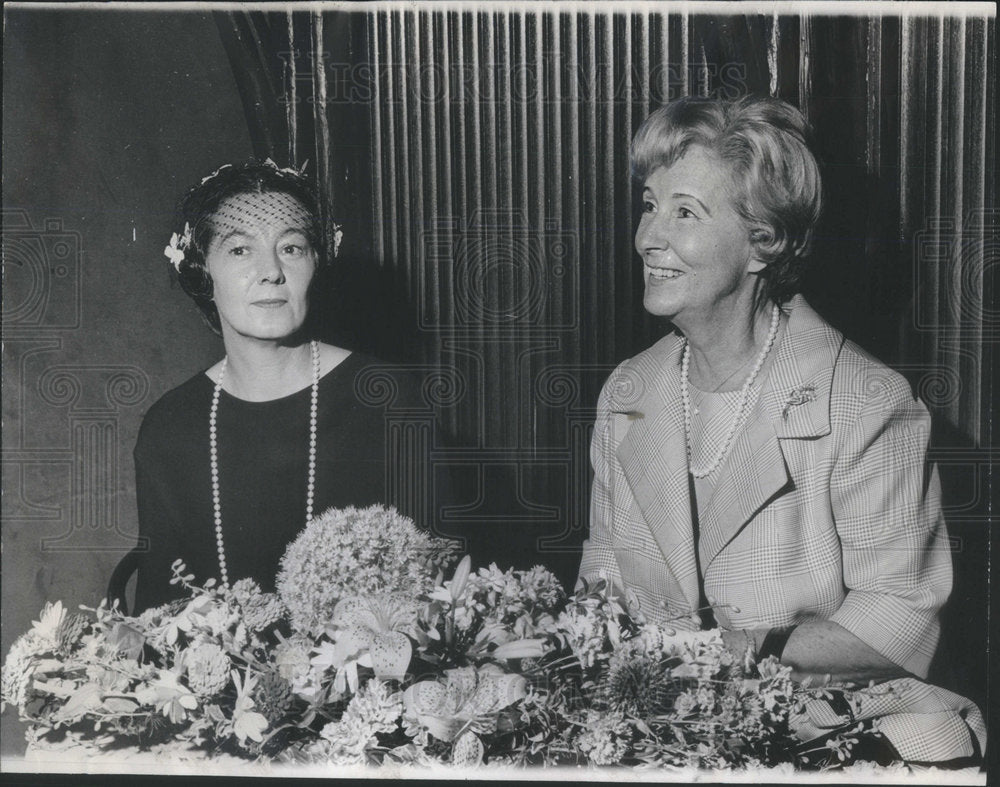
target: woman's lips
<point>663,274</point>
<point>270,303</point>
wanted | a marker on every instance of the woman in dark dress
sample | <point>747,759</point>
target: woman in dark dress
<point>231,464</point>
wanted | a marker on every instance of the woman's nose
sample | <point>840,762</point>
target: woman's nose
<point>271,269</point>
<point>652,234</point>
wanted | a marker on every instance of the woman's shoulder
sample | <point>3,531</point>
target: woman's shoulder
<point>376,382</point>
<point>649,363</point>
<point>857,379</point>
<point>858,382</point>
<point>863,378</point>
<point>659,354</point>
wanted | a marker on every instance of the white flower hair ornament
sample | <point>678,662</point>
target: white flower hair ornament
<point>338,236</point>
<point>300,172</point>
<point>207,178</point>
<point>178,245</point>
<point>268,162</point>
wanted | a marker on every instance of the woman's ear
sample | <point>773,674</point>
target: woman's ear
<point>761,236</point>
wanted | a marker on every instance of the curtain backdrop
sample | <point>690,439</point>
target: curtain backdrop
<point>477,159</point>
<point>514,127</point>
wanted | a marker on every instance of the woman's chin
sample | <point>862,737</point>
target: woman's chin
<point>660,307</point>
<point>280,334</point>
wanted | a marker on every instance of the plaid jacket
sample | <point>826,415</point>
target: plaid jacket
<point>824,508</point>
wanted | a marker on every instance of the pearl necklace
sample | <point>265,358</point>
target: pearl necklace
<point>744,399</point>
<point>213,448</point>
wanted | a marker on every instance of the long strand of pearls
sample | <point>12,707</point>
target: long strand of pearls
<point>213,452</point>
<point>313,416</point>
<point>744,399</point>
<point>212,444</point>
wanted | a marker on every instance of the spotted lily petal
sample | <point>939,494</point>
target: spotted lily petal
<point>424,698</point>
<point>428,702</point>
<point>468,751</point>
<point>496,693</point>
<point>390,655</point>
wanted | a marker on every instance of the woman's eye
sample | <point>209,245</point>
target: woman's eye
<point>686,213</point>
<point>647,206</point>
<point>295,250</point>
<point>239,251</point>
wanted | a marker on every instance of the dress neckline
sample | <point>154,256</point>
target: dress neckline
<point>224,395</point>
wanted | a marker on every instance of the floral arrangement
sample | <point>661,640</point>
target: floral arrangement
<point>367,654</point>
<point>194,671</point>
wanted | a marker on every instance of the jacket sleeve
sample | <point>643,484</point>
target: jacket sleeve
<point>598,554</point>
<point>887,509</point>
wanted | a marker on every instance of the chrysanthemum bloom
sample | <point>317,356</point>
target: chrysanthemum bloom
<point>46,628</point>
<point>18,669</point>
<point>208,669</point>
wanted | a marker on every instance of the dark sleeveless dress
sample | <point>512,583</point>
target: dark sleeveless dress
<point>263,465</point>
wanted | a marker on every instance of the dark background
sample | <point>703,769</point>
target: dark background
<point>457,213</point>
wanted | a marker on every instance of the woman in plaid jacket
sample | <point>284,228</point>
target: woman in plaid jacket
<point>754,470</point>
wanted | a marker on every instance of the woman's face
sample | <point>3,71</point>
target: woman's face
<point>696,250</point>
<point>261,263</point>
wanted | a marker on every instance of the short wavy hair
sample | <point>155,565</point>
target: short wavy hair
<point>777,188</point>
<point>201,203</point>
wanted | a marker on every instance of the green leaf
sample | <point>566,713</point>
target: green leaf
<point>120,705</point>
<point>520,649</point>
<point>86,699</point>
<point>461,578</point>
<point>128,640</point>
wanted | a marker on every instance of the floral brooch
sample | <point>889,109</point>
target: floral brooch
<point>800,395</point>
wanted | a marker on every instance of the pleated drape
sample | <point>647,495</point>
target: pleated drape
<point>947,113</point>
<point>515,125</point>
<point>504,205</point>
<point>477,158</point>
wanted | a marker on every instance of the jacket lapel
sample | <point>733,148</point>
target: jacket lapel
<point>653,457</point>
<point>794,403</point>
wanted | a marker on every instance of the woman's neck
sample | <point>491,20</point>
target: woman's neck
<point>261,371</point>
<point>724,350</point>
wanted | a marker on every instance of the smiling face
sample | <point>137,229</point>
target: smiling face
<point>696,250</point>
<point>261,263</point>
